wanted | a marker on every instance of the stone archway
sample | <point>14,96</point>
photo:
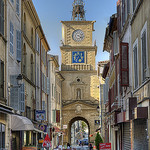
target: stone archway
<point>79,110</point>
<point>72,121</point>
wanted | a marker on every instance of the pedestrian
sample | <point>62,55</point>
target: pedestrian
<point>90,146</point>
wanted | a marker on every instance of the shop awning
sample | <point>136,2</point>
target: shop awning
<point>20,123</point>
<point>6,109</point>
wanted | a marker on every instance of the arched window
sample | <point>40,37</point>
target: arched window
<point>2,17</point>
<point>32,67</point>
<point>78,93</point>
<point>32,36</point>
<point>24,59</point>
<point>24,25</point>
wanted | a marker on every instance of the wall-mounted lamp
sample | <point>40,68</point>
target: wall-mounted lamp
<point>19,80</point>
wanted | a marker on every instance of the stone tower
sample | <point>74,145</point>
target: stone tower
<point>80,95</point>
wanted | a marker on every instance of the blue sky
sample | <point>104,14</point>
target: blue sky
<point>51,12</point>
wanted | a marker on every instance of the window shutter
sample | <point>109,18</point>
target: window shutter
<point>14,93</point>
<point>115,43</point>
<point>48,84</point>
<point>134,5</point>
<point>128,6</point>
<point>124,65</point>
<point>43,105</point>
<point>135,67</point>
<point>57,116</point>
<point>18,33</point>
<point>123,12</point>
<point>107,88</point>
<point>118,17</point>
<point>144,65</point>
<point>54,116</point>
<point>2,17</point>
<point>22,98</point>
<point>104,91</point>
<point>17,7</point>
<point>11,37</point>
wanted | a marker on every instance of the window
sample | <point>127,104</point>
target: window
<point>37,43</point>
<point>32,67</point>
<point>52,90</point>
<point>17,7</point>
<point>135,61</point>
<point>2,136</point>
<point>43,105</point>
<point>1,79</point>
<point>144,51</point>
<point>78,94</point>
<point>18,33</point>
<point>28,112</point>
<point>11,37</point>
<point>2,17</point>
<point>24,59</point>
<point>134,4</point>
<point>32,37</point>
<point>12,1</point>
<point>24,26</point>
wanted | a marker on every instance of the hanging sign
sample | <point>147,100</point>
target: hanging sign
<point>47,142</point>
<point>40,115</point>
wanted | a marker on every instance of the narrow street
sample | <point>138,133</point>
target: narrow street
<point>85,147</point>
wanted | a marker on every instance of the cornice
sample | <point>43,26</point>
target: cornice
<point>80,71</point>
<point>67,47</point>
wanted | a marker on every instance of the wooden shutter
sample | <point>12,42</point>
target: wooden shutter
<point>57,116</point>
<point>124,64</point>
<point>22,99</point>
<point>128,6</point>
<point>123,12</point>
<point>119,17</point>
<point>144,65</point>
<point>135,67</point>
<point>17,7</point>
<point>2,17</point>
<point>48,84</point>
<point>54,116</point>
<point>18,33</point>
<point>14,92</point>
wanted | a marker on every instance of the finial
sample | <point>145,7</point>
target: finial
<point>78,13</point>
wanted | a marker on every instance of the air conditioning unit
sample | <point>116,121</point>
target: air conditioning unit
<point>148,73</point>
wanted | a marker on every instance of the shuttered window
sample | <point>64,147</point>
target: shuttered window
<point>2,17</point>
<point>17,94</point>
<point>43,105</point>
<point>1,79</point>
<point>54,116</point>
<point>123,12</point>
<point>124,65</point>
<point>17,7</point>
<point>118,17</point>
<point>11,37</point>
<point>135,52</point>
<point>22,98</point>
<point>57,116</point>
<point>144,58</point>
<point>134,3</point>
<point>18,33</point>
<point>48,84</point>
<point>115,43</point>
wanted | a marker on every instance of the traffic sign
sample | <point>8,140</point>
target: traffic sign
<point>47,142</point>
<point>105,146</point>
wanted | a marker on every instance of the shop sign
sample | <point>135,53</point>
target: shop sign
<point>40,115</point>
<point>41,141</point>
<point>43,127</point>
<point>64,126</point>
<point>105,146</point>
<point>29,148</point>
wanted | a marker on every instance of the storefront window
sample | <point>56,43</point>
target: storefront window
<point>2,136</point>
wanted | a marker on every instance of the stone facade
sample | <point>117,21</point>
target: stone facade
<point>80,93</point>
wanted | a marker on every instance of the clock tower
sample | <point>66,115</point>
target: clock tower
<point>80,95</point>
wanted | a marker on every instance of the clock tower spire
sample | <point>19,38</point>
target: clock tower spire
<point>78,13</point>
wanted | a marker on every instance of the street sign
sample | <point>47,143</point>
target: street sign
<point>105,146</point>
<point>47,142</point>
<point>64,126</point>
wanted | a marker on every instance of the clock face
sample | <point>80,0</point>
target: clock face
<point>78,57</point>
<point>78,35</point>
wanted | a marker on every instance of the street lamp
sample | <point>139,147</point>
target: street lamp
<point>98,108</point>
<point>19,80</point>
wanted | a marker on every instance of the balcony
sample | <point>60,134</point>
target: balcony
<point>75,67</point>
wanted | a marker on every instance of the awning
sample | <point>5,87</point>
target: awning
<point>20,123</point>
<point>39,131</point>
<point>6,109</point>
